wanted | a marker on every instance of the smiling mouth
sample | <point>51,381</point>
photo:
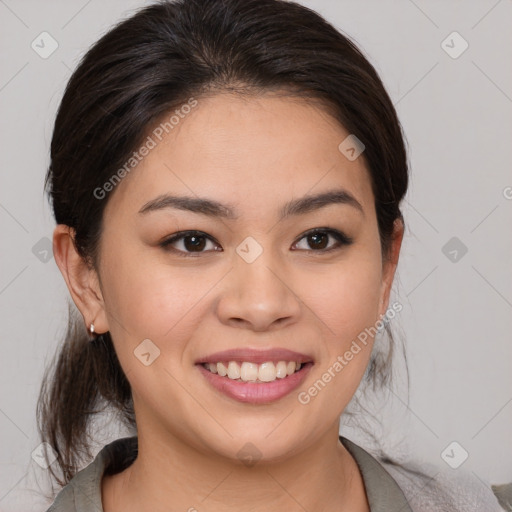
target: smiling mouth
<point>244,371</point>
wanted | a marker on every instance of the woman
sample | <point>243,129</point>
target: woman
<point>226,178</point>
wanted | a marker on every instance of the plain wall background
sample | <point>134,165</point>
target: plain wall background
<point>457,316</point>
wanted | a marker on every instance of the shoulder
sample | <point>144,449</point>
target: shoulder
<point>64,501</point>
<point>429,488</point>
<point>83,492</point>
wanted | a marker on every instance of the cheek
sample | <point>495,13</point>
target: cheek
<point>148,299</point>
<point>346,299</point>
<point>348,308</point>
<point>347,303</point>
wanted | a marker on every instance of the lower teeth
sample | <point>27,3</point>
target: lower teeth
<point>258,381</point>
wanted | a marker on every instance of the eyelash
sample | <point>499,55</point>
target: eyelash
<point>341,238</point>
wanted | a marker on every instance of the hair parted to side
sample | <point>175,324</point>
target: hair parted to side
<point>140,70</point>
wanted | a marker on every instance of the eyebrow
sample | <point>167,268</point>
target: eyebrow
<point>213,208</point>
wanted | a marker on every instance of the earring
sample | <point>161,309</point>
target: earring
<point>91,328</point>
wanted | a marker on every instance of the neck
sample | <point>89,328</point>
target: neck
<point>168,473</point>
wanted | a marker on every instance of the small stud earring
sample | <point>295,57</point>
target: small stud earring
<point>91,328</point>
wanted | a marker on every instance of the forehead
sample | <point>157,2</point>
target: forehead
<point>248,150</point>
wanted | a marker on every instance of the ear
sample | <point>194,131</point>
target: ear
<point>82,280</point>
<point>389,265</point>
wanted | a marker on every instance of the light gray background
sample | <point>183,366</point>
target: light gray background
<point>457,320</point>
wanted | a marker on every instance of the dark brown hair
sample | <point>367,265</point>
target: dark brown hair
<point>140,70</point>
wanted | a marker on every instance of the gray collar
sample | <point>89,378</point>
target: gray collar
<point>384,494</point>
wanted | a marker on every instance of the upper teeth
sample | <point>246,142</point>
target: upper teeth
<point>266,372</point>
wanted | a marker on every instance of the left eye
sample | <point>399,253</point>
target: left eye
<point>318,238</point>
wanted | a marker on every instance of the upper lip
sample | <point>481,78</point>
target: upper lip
<point>256,356</point>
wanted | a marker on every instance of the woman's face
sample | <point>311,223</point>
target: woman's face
<point>251,280</point>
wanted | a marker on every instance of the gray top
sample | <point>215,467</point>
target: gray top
<point>83,492</point>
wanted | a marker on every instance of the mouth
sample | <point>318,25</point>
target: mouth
<point>255,376</point>
<point>245,371</point>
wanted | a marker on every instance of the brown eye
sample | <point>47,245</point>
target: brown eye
<point>190,242</point>
<point>194,242</point>
<point>317,240</point>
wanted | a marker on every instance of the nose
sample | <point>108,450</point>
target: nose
<point>258,296</point>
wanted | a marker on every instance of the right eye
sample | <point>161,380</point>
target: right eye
<point>191,242</point>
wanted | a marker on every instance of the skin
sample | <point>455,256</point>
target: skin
<point>254,154</point>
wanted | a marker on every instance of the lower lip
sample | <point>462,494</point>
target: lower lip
<point>256,392</point>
